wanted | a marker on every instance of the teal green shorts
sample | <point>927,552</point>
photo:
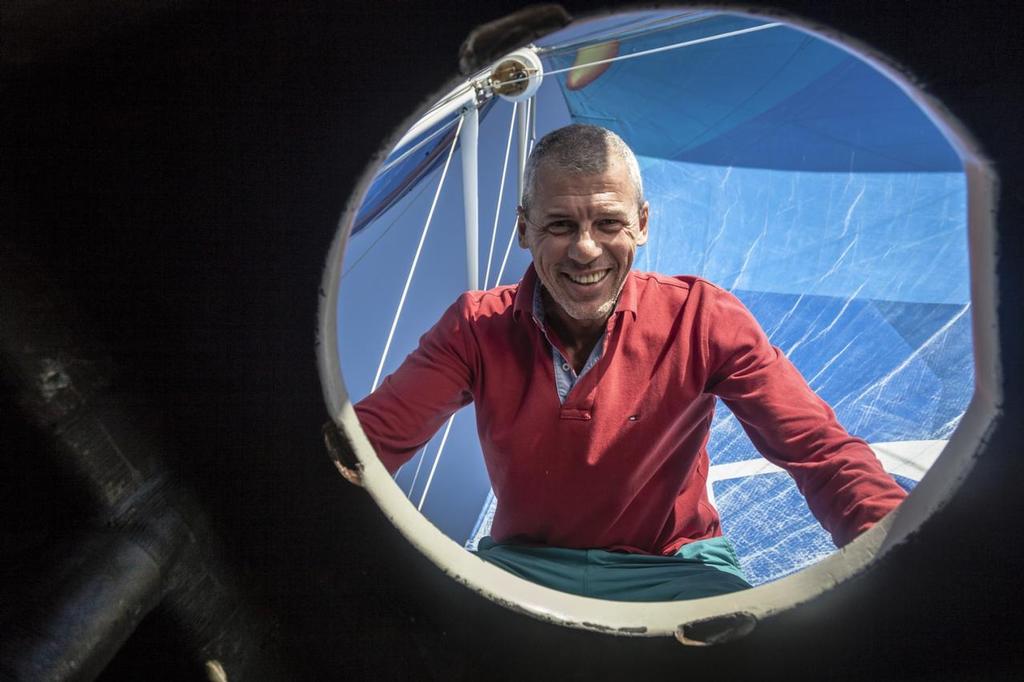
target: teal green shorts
<point>700,569</point>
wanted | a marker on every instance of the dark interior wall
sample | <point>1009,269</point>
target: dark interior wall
<point>177,171</point>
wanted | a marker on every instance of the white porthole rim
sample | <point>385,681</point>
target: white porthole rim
<point>668,618</point>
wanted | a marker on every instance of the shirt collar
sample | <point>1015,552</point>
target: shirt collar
<point>627,297</point>
<point>530,283</point>
<point>524,294</point>
<point>538,303</point>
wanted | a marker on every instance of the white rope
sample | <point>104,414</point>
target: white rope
<point>501,192</point>
<point>440,449</point>
<point>512,236</point>
<point>416,474</point>
<point>640,27</point>
<point>664,48</point>
<point>415,259</point>
<point>508,248</point>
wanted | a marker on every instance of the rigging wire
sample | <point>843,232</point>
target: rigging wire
<point>416,474</point>
<point>387,229</point>
<point>416,258</point>
<point>501,191</point>
<point>437,458</point>
<point>655,50</point>
<point>639,27</point>
<point>666,48</point>
<point>508,248</point>
<point>532,102</point>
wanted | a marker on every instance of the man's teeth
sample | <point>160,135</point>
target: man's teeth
<point>588,279</point>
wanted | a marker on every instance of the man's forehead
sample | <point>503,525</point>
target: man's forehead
<point>556,184</point>
<point>610,165</point>
<point>567,205</point>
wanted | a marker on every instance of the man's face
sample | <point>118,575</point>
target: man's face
<point>583,231</point>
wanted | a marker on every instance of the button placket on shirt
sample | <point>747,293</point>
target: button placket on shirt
<point>579,404</point>
<point>559,361</point>
<point>576,405</point>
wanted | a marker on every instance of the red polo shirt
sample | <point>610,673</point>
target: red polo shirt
<point>622,463</point>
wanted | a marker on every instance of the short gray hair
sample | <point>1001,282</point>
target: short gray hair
<point>581,149</point>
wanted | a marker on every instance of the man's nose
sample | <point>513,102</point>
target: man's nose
<point>584,248</point>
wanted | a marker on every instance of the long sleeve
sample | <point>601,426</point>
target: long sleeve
<point>431,384</point>
<point>843,482</point>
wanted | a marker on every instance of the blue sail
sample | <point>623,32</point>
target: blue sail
<point>774,98</point>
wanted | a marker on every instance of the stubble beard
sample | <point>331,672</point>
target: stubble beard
<point>581,313</point>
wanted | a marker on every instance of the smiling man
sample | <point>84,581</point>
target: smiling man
<point>595,387</point>
<point>582,218</point>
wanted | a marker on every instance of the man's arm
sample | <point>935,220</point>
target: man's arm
<point>843,482</point>
<point>431,384</point>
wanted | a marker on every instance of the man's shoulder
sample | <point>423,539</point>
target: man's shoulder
<point>487,303</point>
<point>681,287</point>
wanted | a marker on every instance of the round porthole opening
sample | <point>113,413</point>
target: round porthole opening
<point>802,173</point>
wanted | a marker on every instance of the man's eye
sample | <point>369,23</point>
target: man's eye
<point>560,227</point>
<point>610,224</point>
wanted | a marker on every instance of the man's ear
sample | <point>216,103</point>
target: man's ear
<point>645,211</point>
<point>521,226</point>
